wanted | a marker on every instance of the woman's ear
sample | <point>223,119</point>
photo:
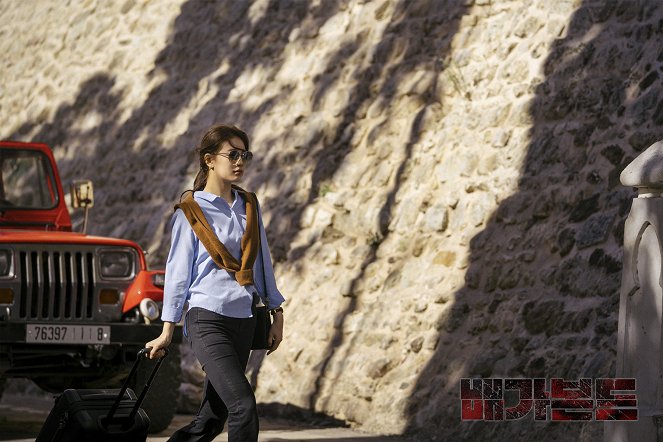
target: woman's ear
<point>208,161</point>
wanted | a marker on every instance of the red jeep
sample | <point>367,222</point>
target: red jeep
<point>74,308</point>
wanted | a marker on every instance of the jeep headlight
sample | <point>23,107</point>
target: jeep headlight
<point>5,262</point>
<point>149,309</point>
<point>116,264</point>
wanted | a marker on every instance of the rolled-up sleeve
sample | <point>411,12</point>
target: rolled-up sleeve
<point>265,282</point>
<point>178,268</point>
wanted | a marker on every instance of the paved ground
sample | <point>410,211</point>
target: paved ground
<point>21,418</point>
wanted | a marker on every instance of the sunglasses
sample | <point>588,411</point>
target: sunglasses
<point>235,155</point>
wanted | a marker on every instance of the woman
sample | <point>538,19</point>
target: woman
<point>219,322</point>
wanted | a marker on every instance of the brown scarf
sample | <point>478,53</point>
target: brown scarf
<point>217,251</point>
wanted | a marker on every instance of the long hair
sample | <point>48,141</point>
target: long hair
<point>210,144</point>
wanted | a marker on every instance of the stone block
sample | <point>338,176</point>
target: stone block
<point>437,218</point>
<point>541,317</point>
<point>445,258</point>
<point>595,230</point>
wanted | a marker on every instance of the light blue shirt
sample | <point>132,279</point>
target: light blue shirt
<point>192,275</point>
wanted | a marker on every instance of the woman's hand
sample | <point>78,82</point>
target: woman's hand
<point>275,332</point>
<point>162,341</point>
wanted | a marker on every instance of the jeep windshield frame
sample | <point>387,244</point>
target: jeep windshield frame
<point>27,180</point>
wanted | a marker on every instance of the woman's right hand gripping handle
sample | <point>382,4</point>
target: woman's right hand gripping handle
<point>163,341</point>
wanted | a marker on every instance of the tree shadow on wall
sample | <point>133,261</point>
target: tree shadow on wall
<point>96,102</point>
<point>207,38</point>
<point>417,38</point>
<point>542,290</point>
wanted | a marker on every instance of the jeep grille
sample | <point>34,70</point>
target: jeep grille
<point>62,282</point>
<point>46,276</point>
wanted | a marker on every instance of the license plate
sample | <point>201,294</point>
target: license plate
<point>67,334</point>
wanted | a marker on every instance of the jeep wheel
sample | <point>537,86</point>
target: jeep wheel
<point>160,403</point>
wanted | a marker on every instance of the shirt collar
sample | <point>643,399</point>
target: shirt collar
<point>208,196</point>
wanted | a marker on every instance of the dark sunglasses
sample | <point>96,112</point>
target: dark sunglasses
<point>235,155</point>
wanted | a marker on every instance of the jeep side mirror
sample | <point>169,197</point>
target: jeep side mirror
<point>82,195</point>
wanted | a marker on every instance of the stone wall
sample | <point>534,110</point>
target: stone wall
<point>440,178</point>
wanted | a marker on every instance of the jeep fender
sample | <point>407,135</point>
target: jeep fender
<point>144,287</point>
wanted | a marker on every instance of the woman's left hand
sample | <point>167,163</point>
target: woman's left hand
<point>275,333</point>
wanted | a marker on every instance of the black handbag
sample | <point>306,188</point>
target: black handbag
<point>263,320</point>
<point>263,324</point>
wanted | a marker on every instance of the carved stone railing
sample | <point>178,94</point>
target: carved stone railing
<point>641,300</point>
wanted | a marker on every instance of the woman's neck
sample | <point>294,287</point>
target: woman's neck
<point>220,188</point>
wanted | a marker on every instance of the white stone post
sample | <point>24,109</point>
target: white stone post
<point>641,300</point>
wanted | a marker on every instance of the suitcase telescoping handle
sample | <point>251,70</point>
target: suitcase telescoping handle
<point>141,355</point>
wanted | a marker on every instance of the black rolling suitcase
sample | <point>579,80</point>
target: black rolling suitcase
<point>99,415</point>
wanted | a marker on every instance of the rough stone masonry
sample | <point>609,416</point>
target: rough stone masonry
<point>440,178</point>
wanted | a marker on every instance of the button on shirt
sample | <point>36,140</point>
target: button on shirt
<point>192,275</point>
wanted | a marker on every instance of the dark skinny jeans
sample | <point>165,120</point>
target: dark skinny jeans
<point>222,345</point>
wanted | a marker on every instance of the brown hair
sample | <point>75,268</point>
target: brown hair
<point>210,144</point>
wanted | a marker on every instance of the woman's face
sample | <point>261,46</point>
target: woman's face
<point>229,161</point>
